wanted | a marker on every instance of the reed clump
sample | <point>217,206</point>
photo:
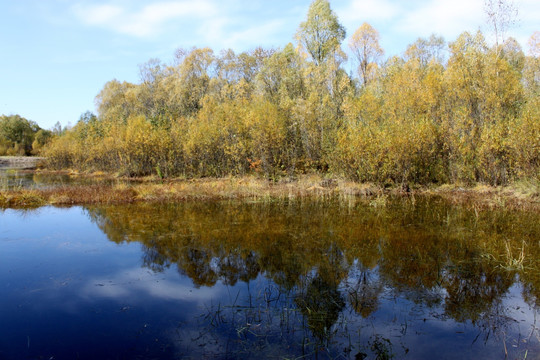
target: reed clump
<point>22,199</point>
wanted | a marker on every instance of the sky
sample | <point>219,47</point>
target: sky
<point>56,55</point>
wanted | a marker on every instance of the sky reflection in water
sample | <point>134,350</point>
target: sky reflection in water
<point>237,280</point>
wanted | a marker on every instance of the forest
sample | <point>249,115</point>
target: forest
<point>463,111</point>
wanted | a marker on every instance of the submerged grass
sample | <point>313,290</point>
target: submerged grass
<point>154,189</point>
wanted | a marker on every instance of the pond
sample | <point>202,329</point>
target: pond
<point>336,279</point>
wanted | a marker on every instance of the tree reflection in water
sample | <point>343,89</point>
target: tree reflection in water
<point>329,265</point>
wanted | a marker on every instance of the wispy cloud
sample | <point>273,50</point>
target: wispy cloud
<point>143,22</point>
<point>243,25</point>
<point>132,283</point>
<point>216,23</point>
<point>423,18</point>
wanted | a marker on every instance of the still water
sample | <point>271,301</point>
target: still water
<point>15,179</point>
<point>343,279</point>
<point>12,179</point>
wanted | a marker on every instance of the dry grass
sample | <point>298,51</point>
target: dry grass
<point>21,199</point>
<point>254,188</point>
<point>516,195</point>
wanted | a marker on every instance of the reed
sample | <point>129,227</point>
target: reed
<point>22,199</point>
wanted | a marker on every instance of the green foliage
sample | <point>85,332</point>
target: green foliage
<point>321,34</point>
<point>19,136</point>
<point>472,116</point>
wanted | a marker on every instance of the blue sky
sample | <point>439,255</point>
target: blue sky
<point>56,55</point>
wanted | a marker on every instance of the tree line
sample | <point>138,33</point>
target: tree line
<point>21,137</point>
<point>441,112</point>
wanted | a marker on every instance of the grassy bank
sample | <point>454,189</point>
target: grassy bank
<point>150,189</point>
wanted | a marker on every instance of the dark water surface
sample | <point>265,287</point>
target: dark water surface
<point>345,279</point>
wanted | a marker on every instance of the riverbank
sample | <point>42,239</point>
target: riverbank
<point>124,190</point>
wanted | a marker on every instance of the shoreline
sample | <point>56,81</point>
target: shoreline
<point>252,188</point>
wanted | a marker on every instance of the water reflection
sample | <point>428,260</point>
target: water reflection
<point>15,179</point>
<point>407,269</point>
<point>12,179</point>
<point>310,279</point>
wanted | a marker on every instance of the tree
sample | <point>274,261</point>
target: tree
<point>501,14</point>
<point>57,129</point>
<point>115,102</point>
<point>150,94</point>
<point>365,46</point>
<point>531,71</point>
<point>189,81</point>
<point>18,132</point>
<point>41,138</point>
<point>280,79</point>
<point>321,34</point>
<point>427,50</point>
<point>87,117</point>
<point>534,44</point>
<point>511,51</point>
<point>483,94</point>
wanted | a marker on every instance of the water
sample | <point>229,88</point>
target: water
<point>17,179</point>
<point>13,179</point>
<point>336,279</point>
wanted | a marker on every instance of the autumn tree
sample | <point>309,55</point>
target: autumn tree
<point>526,129</point>
<point>150,93</point>
<point>190,80</point>
<point>484,94</point>
<point>532,65</point>
<point>321,34</point>
<point>364,44</point>
<point>117,101</point>
<point>280,78</point>
<point>501,15</point>
<point>237,73</point>
<point>427,50</point>
<point>512,52</point>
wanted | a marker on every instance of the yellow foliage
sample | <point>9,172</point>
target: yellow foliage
<point>418,119</point>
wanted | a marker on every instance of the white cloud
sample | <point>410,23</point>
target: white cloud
<point>219,24</point>
<point>131,283</point>
<point>243,25</point>
<point>147,21</point>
